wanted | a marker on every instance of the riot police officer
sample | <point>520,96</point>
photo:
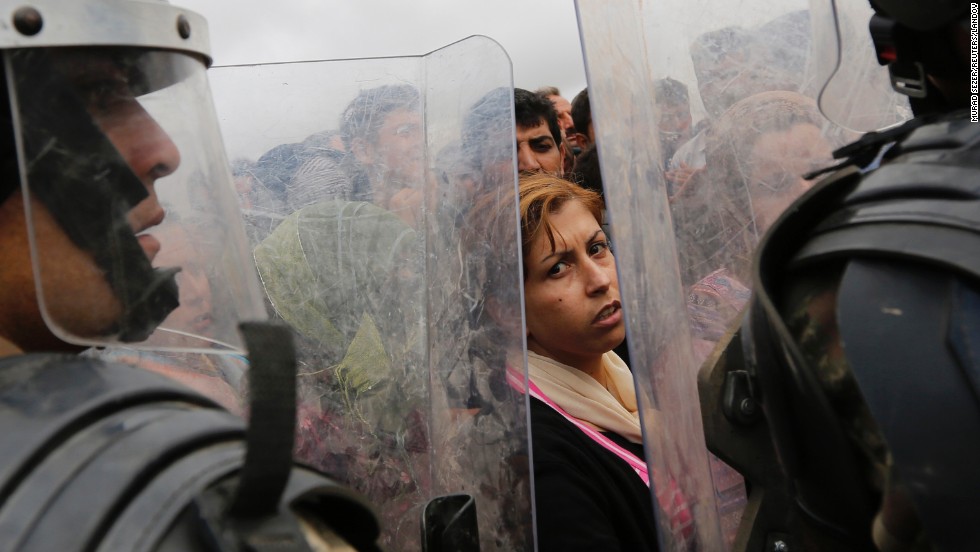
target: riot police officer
<point>107,132</point>
<point>860,341</point>
<point>848,397</point>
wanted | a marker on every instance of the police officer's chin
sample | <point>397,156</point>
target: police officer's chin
<point>35,335</point>
<point>76,325</point>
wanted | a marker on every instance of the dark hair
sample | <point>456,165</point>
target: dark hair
<point>743,61</point>
<point>276,167</point>
<point>492,231</point>
<point>367,112</point>
<point>587,172</point>
<point>670,91</point>
<point>483,125</point>
<point>543,195</point>
<point>712,46</point>
<point>9,170</point>
<point>581,111</point>
<point>531,109</point>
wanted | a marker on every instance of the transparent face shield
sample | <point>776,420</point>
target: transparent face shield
<point>134,230</point>
<point>689,203</point>
<point>856,91</point>
<point>359,181</point>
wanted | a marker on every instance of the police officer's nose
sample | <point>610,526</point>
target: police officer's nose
<point>145,146</point>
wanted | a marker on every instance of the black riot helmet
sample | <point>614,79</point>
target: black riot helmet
<point>862,341</point>
<point>111,138</point>
<point>917,48</point>
<point>924,46</point>
<point>923,16</point>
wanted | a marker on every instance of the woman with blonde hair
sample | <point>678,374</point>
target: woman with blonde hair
<point>590,477</point>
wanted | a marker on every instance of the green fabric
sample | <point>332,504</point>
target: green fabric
<point>357,371</point>
<point>330,271</point>
<point>287,277</point>
<point>328,263</point>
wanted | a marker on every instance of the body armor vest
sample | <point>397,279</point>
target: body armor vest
<point>902,242</point>
<point>101,456</point>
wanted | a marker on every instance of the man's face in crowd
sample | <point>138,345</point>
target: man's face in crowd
<point>395,164</point>
<point>776,163</point>
<point>537,150</point>
<point>564,110</point>
<point>398,146</point>
<point>674,122</point>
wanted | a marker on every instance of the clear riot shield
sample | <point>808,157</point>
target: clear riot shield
<point>358,180</point>
<point>706,120</point>
<point>856,90</point>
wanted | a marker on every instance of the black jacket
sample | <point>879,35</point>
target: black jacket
<point>587,498</point>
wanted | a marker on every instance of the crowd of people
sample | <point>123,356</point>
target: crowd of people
<point>373,238</point>
<point>338,226</point>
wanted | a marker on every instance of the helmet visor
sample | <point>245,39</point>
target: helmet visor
<point>134,229</point>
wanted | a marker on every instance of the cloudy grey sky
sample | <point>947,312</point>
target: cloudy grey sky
<point>541,36</point>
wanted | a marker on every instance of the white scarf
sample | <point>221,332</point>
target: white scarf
<point>606,408</point>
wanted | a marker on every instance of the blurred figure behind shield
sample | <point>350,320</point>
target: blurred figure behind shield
<point>582,119</point>
<point>673,118</point>
<point>564,110</point>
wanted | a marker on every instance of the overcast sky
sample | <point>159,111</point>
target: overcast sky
<point>541,36</point>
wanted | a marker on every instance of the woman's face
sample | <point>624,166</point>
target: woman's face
<point>571,293</point>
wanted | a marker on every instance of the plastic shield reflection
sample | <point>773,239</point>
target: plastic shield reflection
<point>856,92</point>
<point>689,202</point>
<point>660,350</point>
<point>357,187</point>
